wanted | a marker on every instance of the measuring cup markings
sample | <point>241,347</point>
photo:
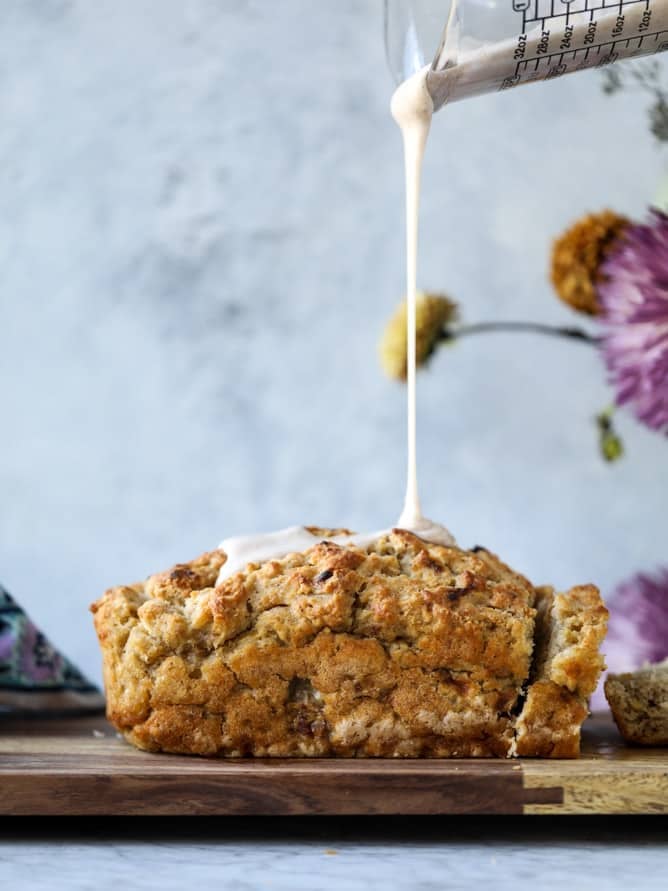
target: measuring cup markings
<point>628,35</point>
<point>506,43</point>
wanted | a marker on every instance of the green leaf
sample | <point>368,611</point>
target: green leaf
<point>610,442</point>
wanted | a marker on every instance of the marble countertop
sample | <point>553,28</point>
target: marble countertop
<point>420,854</point>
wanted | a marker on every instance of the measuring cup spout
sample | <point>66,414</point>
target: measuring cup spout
<point>482,46</point>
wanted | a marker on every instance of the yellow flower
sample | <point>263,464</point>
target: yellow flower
<point>432,313</point>
<point>577,256</point>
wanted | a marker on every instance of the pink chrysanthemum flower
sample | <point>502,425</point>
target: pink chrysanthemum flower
<point>638,626</point>
<point>634,301</point>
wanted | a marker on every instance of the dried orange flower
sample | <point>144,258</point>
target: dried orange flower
<point>432,313</point>
<point>577,256</point>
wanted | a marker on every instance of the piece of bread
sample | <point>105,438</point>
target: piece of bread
<point>399,649</point>
<point>639,703</point>
<point>566,667</point>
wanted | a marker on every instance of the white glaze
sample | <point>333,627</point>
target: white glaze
<point>412,109</point>
<point>244,549</point>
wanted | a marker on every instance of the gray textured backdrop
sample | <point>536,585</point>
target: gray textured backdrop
<point>200,236</point>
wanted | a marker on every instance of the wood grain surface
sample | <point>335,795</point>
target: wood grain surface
<point>79,766</point>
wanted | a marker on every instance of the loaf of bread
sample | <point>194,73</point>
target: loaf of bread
<point>399,649</point>
<point>639,703</point>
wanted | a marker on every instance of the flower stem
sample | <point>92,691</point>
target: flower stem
<point>521,327</point>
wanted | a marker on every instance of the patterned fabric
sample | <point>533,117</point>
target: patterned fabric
<point>29,664</point>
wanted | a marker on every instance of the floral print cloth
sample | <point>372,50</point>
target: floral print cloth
<point>34,676</point>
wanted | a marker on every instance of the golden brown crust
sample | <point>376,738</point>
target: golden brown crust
<point>401,649</point>
<point>567,664</point>
<point>550,721</point>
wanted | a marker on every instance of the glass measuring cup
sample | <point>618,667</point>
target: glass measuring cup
<point>481,46</point>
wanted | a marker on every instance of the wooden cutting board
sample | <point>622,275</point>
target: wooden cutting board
<point>79,766</point>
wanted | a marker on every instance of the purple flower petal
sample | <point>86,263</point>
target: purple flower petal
<point>638,626</point>
<point>634,301</point>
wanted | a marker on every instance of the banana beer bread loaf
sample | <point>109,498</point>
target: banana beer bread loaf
<point>399,649</point>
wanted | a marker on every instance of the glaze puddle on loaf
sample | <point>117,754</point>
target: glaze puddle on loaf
<point>242,550</point>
